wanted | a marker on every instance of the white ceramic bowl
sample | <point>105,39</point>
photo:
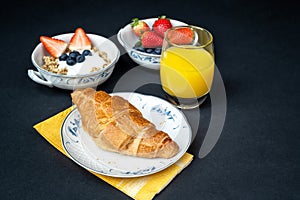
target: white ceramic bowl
<point>72,82</point>
<point>128,39</point>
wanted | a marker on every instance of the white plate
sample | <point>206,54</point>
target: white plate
<point>80,147</point>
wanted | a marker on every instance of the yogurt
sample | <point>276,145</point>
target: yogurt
<point>91,62</point>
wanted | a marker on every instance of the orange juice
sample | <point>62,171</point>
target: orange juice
<point>186,72</point>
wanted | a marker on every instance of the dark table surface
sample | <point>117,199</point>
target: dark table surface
<point>256,45</point>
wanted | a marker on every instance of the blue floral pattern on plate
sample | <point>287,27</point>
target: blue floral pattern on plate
<point>81,148</point>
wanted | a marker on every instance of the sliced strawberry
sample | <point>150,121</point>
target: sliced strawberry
<point>151,40</point>
<point>181,36</point>
<point>55,47</point>
<point>80,40</point>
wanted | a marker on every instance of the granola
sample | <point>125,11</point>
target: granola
<point>51,64</point>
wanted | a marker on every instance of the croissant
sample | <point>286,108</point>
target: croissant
<point>116,125</point>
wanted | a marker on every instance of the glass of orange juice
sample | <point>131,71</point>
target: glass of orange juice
<point>187,65</point>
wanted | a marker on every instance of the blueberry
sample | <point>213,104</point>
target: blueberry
<point>141,49</point>
<point>157,51</point>
<point>74,54</point>
<point>80,58</point>
<point>63,57</point>
<point>70,61</point>
<point>87,52</point>
<point>149,50</point>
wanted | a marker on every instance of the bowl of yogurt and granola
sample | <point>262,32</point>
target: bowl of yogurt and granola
<point>73,60</point>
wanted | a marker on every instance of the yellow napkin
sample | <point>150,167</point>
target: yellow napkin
<point>145,187</point>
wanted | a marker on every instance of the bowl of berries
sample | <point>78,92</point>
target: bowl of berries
<point>73,60</point>
<point>143,38</point>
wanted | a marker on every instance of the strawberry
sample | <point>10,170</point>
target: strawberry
<point>181,36</point>
<point>55,47</point>
<point>139,27</point>
<point>80,40</point>
<point>151,40</point>
<point>161,25</point>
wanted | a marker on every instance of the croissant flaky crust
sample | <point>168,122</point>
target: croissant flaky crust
<point>116,125</point>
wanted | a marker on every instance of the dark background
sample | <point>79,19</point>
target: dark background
<point>257,53</point>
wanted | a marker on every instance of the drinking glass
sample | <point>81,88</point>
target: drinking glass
<point>187,65</point>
